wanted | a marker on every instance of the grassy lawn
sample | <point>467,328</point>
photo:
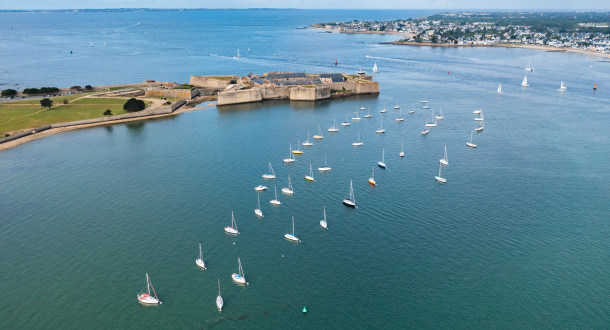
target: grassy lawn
<point>18,115</point>
<point>56,99</point>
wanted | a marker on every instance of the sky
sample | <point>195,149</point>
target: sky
<point>311,4</point>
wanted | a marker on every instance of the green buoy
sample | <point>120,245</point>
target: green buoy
<point>304,309</point>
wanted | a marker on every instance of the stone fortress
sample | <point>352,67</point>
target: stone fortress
<point>294,86</point>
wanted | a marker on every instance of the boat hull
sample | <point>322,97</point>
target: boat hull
<point>358,144</point>
<point>297,152</point>
<point>440,179</point>
<point>260,188</point>
<point>372,182</point>
<point>268,176</point>
<point>200,264</point>
<point>443,162</point>
<point>289,160</point>
<point>470,144</point>
<point>287,191</point>
<point>478,129</point>
<point>219,303</point>
<point>424,132</point>
<point>368,116</point>
<point>309,178</point>
<point>292,238</point>
<point>333,130</point>
<point>324,169</point>
<point>258,213</point>
<point>380,131</point>
<point>147,300</point>
<point>349,203</point>
<point>323,224</point>
<point>399,119</point>
<point>238,278</point>
<point>381,164</point>
<point>345,124</point>
<point>401,154</point>
<point>231,231</point>
<point>275,202</point>
<point>318,137</point>
<point>307,144</point>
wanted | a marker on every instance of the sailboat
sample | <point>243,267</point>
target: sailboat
<point>307,143</point>
<point>384,110</point>
<point>239,277</point>
<point>232,229</point>
<point>290,158</point>
<point>412,111</point>
<point>382,162</point>
<point>275,201</point>
<point>319,136</point>
<point>288,190</point>
<point>433,123</point>
<point>219,302</point>
<point>310,176</point>
<point>381,129</point>
<point>439,178</point>
<point>145,298</point>
<point>563,87</point>
<point>372,181</point>
<point>297,151</point>
<point>469,143</point>
<point>524,82</point>
<point>426,130</point>
<point>325,168</point>
<point>375,68</point>
<point>368,115</point>
<point>355,117</point>
<point>478,111</point>
<point>444,160</point>
<point>258,211</point>
<point>529,66</point>
<point>481,117</point>
<point>271,174</point>
<point>199,261</point>
<point>238,54</point>
<point>334,128</point>
<point>397,106</point>
<point>351,200</point>
<point>345,123</point>
<point>425,104</point>
<point>402,149</point>
<point>500,89</point>
<point>440,116</point>
<point>323,222</point>
<point>291,237</point>
<point>91,44</point>
<point>359,143</point>
<point>399,116</point>
<point>362,108</point>
<point>481,126</point>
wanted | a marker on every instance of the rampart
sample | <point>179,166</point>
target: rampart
<point>213,82</point>
<point>187,94</point>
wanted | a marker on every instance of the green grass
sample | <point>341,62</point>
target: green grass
<point>18,115</point>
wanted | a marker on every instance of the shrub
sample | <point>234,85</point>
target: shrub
<point>88,88</point>
<point>47,90</point>
<point>134,104</point>
<point>75,87</point>
<point>9,93</point>
<point>65,101</point>
<point>46,102</point>
<point>30,91</point>
<point>108,112</point>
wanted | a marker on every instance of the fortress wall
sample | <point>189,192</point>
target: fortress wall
<point>275,93</point>
<point>177,93</point>
<point>208,82</point>
<point>309,94</point>
<point>241,96</point>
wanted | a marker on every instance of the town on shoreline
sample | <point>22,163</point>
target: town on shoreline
<point>584,32</point>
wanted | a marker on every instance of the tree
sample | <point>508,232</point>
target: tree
<point>89,88</point>
<point>9,93</point>
<point>46,102</point>
<point>134,104</point>
<point>108,112</point>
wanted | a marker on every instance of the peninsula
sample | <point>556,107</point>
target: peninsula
<point>585,32</point>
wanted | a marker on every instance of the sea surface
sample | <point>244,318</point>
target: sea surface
<point>518,237</point>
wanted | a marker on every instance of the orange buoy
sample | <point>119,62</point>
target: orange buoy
<point>595,87</point>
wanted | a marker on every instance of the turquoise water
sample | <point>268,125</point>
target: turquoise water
<point>517,238</point>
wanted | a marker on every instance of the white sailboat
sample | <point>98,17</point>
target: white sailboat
<point>297,151</point>
<point>529,66</point>
<point>359,143</point>
<point>433,123</point>
<point>440,116</point>
<point>563,87</point>
<point>469,143</point>
<point>325,168</point>
<point>271,174</point>
<point>384,110</point>
<point>199,261</point>
<point>445,159</point>
<point>345,123</point>
<point>439,178</point>
<point>524,82</point>
<point>232,229</point>
<point>291,237</point>
<point>288,190</point>
<point>290,158</point>
<point>500,89</point>
<point>381,129</point>
<point>481,126</point>
<point>260,188</point>
<point>219,301</point>
<point>257,210</point>
<point>275,201</point>
<point>372,181</point>
<point>307,143</point>
<point>478,111</point>
<point>397,106</point>
<point>481,117</point>
<point>351,200</point>
<point>399,116</point>
<point>425,104</point>
<point>402,149</point>
<point>91,44</point>
<point>238,54</point>
<point>239,277</point>
<point>412,111</point>
<point>375,68</point>
<point>323,222</point>
<point>426,130</point>
<point>382,162</point>
<point>319,136</point>
<point>145,298</point>
<point>310,176</point>
<point>355,117</point>
<point>334,128</point>
<point>362,108</point>
<point>368,114</point>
